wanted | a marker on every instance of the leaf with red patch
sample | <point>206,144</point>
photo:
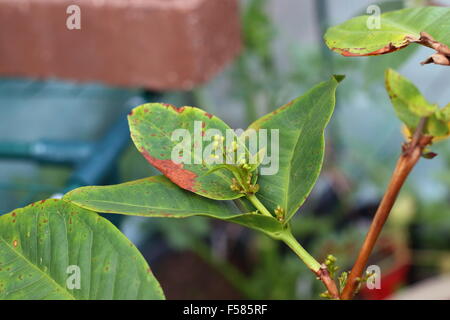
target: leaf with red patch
<point>177,141</point>
<point>391,31</point>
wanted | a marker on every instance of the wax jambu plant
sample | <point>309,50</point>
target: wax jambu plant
<point>39,243</point>
<point>233,191</point>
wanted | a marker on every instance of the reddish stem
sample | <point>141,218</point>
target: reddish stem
<point>408,159</point>
<point>329,283</point>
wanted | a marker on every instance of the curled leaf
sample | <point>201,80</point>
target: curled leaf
<point>371,35</point>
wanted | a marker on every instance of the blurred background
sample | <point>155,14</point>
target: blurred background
<point>57,134</point>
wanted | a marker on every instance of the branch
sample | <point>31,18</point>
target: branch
<point>442,55</point>
<point>411,154</point>
<point>329,283</point>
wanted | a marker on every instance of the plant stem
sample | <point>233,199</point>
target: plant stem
<point>408,159</point>
<point>292,243</point>
<point>286,236</point>
<point>320,270</point>
<point>258,205</point>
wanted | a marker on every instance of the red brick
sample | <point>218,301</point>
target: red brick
<point>157,44</point>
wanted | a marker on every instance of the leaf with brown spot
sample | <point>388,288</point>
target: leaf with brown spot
<point>429,26</point>
<point>35,260</point>
<point>152,129</point>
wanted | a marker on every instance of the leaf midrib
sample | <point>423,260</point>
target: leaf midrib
<point>309,114</point>
<point>140,206</point>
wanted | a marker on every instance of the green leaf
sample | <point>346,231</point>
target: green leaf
<point>410,106</point>
<point>444,113</point>
<point>38,243</point>
<point>355,38</point>
<point>408,102</point>
<point>157,196</point>
<point>436,127</point>
<point>152,127</point>
<point>300,124</point>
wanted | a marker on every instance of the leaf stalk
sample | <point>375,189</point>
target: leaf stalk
<point>258,205</point>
